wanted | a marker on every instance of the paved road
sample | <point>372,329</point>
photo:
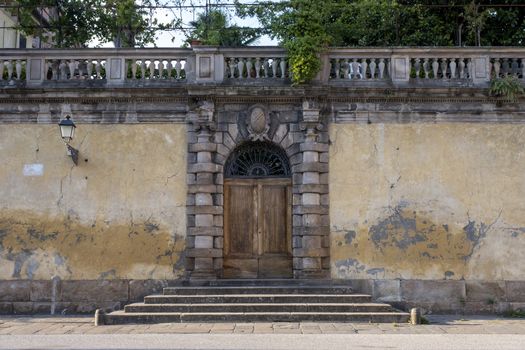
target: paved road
<point>266,341</point>
<point>444,332</point>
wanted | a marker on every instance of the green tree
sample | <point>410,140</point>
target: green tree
<point>213,28</point>
<point>307,27</point>
<point>75,23</point>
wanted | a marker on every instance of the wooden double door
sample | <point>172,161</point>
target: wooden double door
<point>257,228</point>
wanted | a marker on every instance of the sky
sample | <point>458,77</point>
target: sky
<point>176,38</point>
<point>170,39</point>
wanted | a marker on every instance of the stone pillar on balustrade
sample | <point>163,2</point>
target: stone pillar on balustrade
<point>311,243</point>
<point>204,200</point>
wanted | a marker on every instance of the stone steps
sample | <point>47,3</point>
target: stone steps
<point>121,317</point>
<point>257,298</point>
<point>222,290</point>
<point>259,307</point>
<point>224,301</point>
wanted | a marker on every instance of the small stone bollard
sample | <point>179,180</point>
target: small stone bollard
<point>99,317</point>
<point>415,316</point>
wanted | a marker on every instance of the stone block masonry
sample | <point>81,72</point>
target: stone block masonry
<point>411,186</point>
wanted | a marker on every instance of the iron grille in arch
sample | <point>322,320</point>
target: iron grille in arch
<point>257,159</point>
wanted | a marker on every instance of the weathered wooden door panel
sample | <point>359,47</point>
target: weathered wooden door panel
<point>240,206</point>
<point>257,228</point>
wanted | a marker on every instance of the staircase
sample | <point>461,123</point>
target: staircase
<point>257,301</point>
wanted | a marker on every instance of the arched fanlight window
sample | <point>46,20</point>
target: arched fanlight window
<point>257,159</point>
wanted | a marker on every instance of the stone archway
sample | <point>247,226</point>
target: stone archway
<point>257,212</point>
<point>213,136</point>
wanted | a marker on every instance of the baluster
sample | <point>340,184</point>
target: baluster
<point>452,66</point>
<point>240,67</point>
<point>496,67</point>
<point>345,67</point>
<point>266,68</point>
<point>514,67</point>
<point>142,69</point>
<point>9,67</point>
<point>364,65</point>
<point>178,69</point>
<point>469,68</point>
<point>134,66</point>
<point>1,70</point>
<point>523,68</point>
<point>372,68</point>
<point>18,68</point>
<point>151,68</point>
<point>89,68</point>
<point>461,66</point>
<point>62,70</point>
<point>382,66</point>
<point>274,68</point>
<point>54,70</point>
<point>435,67</point>
<point>82,68</point>
<point>169,68</point>
<point>71,67</point>
<point>417,67</point>
<point>355,69</point>
<point>249,67</point>
<point>443,67</point>
<point>161,68</point>
<point>231,64</point>
<point>426,67</point>
<point>98,68</point>
<point>505,67</point>
<point>257,68</point>
<point>283,68</point>
<point>338,69</point>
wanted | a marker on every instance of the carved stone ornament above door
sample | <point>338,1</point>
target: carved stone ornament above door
<point>258,124</point>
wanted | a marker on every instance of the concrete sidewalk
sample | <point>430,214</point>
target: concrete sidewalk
<point>442,324</point>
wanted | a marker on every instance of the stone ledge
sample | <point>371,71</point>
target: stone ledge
<point>205,231</point>
<point>203,188</point>
<point>310,189</point>
<point>311,231</point>
<point>204,253</point>
<point>310,252</point>
<point>205,209</point>
<point>310,167</point>
<point>314,146</point>
<point>202,147</point>
<point>310,209</point>
<point>204,168</point>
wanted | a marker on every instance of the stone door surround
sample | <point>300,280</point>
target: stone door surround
<point>211,139</point>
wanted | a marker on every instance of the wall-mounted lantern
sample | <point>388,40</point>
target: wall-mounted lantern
<point>67,131</point>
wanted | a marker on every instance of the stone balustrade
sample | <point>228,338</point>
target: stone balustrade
<point>259,65</point>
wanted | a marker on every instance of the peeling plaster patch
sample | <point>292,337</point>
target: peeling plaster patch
<point>59,260</point>
<point>32,267</point>
<point>349,265</point>
<point>398,222</point>
<point>407,243</point>
<point>19,259</point>
<point>33,170</point>
<point>349,236</point>
<point>375,271</point>
<point>150,227</point>
<point>108,274</point>
<point>40,247</point>
<point>515,232</point>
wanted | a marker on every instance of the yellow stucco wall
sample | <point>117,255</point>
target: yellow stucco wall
<point>428,201</point>
<point>119,214</point>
